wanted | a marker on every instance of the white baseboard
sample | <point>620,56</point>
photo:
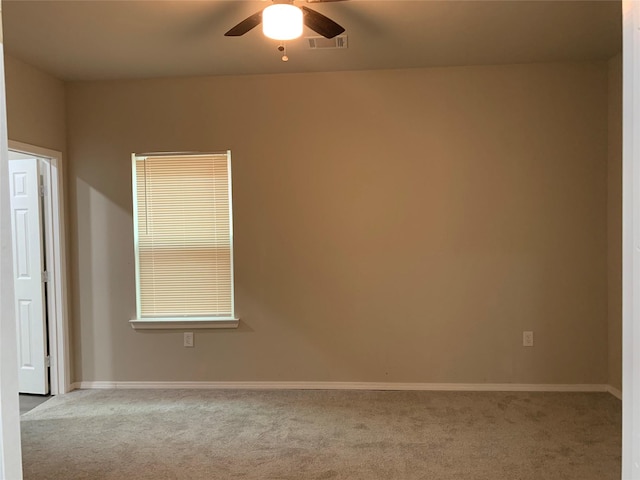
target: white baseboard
<point>453,387</point>
<point>615,392</point>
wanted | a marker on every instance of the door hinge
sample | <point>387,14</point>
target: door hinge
<point>45,276</point>
<point>42,191</point>
<point>47,361</point>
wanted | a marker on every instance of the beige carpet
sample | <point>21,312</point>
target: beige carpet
<point>29,402</point>
<point>209,434</point>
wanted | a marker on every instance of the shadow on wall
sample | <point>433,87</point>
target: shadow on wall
<point>104,280</point>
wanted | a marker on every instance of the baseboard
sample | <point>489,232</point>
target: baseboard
<point>452,387</point>
<point>614,391</point>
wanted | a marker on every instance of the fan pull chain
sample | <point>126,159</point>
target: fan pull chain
<point>283,48</point>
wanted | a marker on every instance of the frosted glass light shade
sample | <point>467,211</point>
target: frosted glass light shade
<point>282,21</point>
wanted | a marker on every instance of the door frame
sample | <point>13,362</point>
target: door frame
<point>630,240</point>
<point>55,245</point>
<point>10,444</point>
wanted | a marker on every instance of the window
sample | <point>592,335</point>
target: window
<point>183,235</point>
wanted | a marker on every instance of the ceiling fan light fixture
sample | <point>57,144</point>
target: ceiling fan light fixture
<point>282,21</point>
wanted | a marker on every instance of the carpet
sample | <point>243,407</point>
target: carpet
<point>29,402</point>
<point>367,435</point>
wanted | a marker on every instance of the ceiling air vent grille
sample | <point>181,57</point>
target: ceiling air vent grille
<point>318,43</point>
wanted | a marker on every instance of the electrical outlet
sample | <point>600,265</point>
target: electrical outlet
<point>527,339</point>
<point>188,339</point>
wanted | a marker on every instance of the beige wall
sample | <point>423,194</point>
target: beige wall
<point>35,106</point>
<point>614,222</point>
<point>401,226</point>
<point>36,111</point>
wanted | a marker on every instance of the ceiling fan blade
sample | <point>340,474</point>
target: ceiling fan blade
<point>324,1</point>
<point>246,25</point>
<point>321,24</point>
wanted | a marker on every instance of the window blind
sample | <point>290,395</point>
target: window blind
<point>183,235</point>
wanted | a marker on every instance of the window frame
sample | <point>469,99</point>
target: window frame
<point>180,322</point>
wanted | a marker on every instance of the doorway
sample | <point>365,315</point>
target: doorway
<point>40,266</point>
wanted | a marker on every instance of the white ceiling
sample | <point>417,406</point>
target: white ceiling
<point>91,39</point>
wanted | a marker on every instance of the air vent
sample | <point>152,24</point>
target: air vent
<point>317,43</point>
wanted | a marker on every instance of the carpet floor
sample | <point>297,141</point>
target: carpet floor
<point>308,435</point>
<point>29,402</point>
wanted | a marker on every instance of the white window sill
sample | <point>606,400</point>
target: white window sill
<point>183,324</point>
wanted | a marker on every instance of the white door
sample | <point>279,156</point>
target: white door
<point>28,263</point>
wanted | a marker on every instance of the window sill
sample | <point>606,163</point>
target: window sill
<point>180,324</point>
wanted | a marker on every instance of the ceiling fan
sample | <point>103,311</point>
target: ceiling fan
<point>299,15</point>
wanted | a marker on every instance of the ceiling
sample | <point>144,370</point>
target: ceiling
<point>92,39</point>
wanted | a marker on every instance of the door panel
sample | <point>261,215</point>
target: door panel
<point>26,223</point>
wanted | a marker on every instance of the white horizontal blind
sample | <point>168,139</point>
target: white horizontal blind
<point>184,235</point>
